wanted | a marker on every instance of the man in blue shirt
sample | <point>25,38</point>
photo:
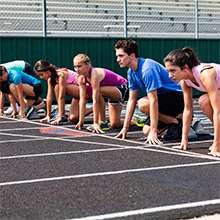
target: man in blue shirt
<point>164,100</point>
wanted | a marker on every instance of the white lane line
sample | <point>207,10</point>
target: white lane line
<point>151,210</point>
<point>11,121</point>
<point>148,147</point>
<point>187,152</point>
<point>20,129</point>
<point>113,138</point>
<point>62,139</point>
<point>21,140</point>
<point>108,173</point>
<point>180,153</point>
<point>20,135</point>
<point>192,142</point>
<point>115,145</point>
<point>63,153</point>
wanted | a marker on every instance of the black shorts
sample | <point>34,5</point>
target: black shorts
<point>4,87</point>
<point>27,69</point>
<point>124,92</point>
<point>37,91</point>
<point>171,103</point>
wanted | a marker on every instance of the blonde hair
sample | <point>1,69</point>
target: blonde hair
<point>83,57</point>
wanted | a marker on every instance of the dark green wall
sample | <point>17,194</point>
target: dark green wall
<point>60,51</point>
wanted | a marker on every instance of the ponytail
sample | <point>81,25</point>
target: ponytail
<point>43,65</point>
<point>181,57</point>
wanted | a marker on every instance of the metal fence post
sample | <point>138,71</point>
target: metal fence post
<point>44,18</point>
<point>125,19</point>
<point>196,20</point>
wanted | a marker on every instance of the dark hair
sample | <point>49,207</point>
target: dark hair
<point>129,46</point>
<point>43,66</point>
<point>2,69</point>
<point>180,57</point>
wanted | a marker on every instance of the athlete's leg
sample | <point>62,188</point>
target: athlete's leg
<point>144,106</point>
<point>205,106</point>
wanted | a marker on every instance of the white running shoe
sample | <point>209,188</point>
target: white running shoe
<point>9,110</point>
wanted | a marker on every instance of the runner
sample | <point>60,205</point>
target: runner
<point>185,67</point>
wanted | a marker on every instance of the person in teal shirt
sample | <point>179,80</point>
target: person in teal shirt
<point>17,79</point>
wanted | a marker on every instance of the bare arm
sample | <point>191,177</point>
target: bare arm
<point>82,101</point>
<point>61,96</point>
<point>19,89</point>
<point>1,103</point>
<point>132,101</point>
<point>49,98</point>
<point>187,114</point>
<point>13,104</point>
<point>154,114</point>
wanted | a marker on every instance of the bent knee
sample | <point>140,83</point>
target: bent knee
<point>204,101</point>
<point>143,106</point>
<point>73,118</point>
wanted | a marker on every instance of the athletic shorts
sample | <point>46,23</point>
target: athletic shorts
<point>124,91</point>
<point>37,91</point>
<point>171,103</point>
<point>4,87</point>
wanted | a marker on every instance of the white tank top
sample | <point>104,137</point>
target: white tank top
<point>197,73</point>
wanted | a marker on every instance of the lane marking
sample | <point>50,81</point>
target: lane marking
<point>62,139</point>
<point>188,152</point>
<point>180,153</point>
<point>21,140</point>
<point>192,142</point>
<point>108,173</point>
<point>20,129</point>
<point>170,150</point>
<point>62,153</point>
<point>151,210</point>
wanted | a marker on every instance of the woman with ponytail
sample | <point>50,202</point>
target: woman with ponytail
<point>184,67</point>
<point>60,82</point>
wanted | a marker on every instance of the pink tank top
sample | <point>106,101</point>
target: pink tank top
<point>112,79</point>
<point>196,73</point>
<point>71,77</point>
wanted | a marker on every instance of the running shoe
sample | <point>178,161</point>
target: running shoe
<point>140,121</point>
<point>31,113</point>
<point>9,110</point>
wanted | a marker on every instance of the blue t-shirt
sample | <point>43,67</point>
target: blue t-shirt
<point>19,77</point>
<point>16,65</point>
<point>151,76</point>
<point>16,74</point>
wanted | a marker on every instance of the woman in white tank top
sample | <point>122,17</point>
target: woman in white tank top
<point>184,67</point>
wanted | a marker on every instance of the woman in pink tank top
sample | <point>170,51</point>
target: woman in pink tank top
<point>105,84</point>
<point>185,67</point>
<point>61,82</point>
